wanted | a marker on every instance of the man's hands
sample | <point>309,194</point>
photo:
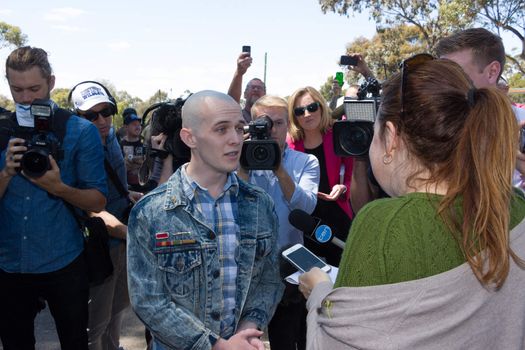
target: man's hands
<point>243,63</point>
<point>361,67</point>
<point>50,181</point>
<point>247,339</point>
<point>158,141</point>
<point>13,155</point>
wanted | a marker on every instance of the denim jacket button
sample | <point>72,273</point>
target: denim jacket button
<point>216,274</point>
<point>216,315</point>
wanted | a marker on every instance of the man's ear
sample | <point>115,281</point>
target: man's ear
<point>186,135</point>
<point>51,82</point>
<point>493,70</point>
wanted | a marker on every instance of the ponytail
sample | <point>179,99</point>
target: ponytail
<point>482,167</point>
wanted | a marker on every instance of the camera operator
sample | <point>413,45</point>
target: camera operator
<point>254,90</point>
<point>292,186</point>
<point>165,150</point>
<point>40,241</point>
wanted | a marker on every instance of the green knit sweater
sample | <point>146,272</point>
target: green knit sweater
<point>401,239</point>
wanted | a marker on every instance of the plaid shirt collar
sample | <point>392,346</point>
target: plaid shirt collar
<point>190,186</point>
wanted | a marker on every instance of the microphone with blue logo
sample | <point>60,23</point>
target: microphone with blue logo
<point>313,228</point>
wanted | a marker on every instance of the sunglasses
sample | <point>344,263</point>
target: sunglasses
<point>312,107</point>
<point>405,66</point>
<point>92,116</point>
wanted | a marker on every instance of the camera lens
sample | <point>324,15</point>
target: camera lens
<point>35,162</point>
<point>260,154</point>
<point>357,140</point>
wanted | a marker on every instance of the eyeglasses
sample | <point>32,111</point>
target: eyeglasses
<point>410,62</point>
<point>312,107</point>
<point>92,116</point>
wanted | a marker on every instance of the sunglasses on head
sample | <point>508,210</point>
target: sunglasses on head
<point>92,116</point>
<point>405,66</point>
<point>312,107</point>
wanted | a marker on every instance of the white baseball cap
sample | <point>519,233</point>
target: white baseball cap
<point>89,94</point>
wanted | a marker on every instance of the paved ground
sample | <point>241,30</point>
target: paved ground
<point>132,336</point>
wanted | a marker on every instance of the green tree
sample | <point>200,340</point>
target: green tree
<point>517,80</point>
<point>7,103</point>
<point>11,35</point>
<point>326,88</point>
<point>508,16</point>
<point>434,19</point>
<point>60,95</point>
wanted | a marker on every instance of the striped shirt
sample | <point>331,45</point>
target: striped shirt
<point>220,215</point>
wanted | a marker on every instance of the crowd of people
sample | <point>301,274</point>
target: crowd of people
<point>433,216</point>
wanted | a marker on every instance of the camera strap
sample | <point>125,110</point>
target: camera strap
<point>115,179</point>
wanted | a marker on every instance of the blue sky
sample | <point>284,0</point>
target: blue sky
<point>143,46</point>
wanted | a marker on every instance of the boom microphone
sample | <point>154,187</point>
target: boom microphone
<point>313,228</point>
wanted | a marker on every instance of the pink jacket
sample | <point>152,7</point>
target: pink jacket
<point>333,165</point>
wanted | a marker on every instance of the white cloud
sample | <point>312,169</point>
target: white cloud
<point>63,14</point>
<point>119,45</point>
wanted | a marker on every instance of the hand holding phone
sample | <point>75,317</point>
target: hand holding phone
<point>340,78</point>
<point>303,259</point>
<point>349,61</point>
<point>247,49</point>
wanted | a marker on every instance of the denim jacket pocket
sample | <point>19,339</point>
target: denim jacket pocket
<point>181,268</point>
<point>264,244</point>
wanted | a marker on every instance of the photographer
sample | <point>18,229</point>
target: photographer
<point>293,185</point>
<point>40,241</point>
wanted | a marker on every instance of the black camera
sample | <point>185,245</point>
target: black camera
<point>260,152</point>
<point>40,142</point>
<point>353,136</point>
<point>167,119</point>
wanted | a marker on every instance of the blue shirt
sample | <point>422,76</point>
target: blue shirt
<point>221,216</point>
<point>116,202</point>
<point>303,169</point>
<point>38,233</point>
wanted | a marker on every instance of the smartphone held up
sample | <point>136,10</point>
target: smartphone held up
<point>247,49</point>
<point>349,60</point>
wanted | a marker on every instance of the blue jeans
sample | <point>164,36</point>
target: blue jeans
<point>66,292</point>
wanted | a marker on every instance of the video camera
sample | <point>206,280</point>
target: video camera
<point>353,136</point>
<point>167,118</point>
<point>40,142</point>
<point>260,152</point>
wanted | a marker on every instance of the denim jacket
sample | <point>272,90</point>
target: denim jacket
<point>175,289</point>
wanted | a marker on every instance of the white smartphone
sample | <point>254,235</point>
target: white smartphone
<point>304,259</point>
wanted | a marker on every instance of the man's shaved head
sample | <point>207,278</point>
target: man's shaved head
<point>202,103</point>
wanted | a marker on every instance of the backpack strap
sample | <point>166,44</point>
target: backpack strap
<point>60,119</point>
<point>8,127</point>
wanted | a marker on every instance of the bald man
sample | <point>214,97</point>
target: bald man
<point>202,254</point>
